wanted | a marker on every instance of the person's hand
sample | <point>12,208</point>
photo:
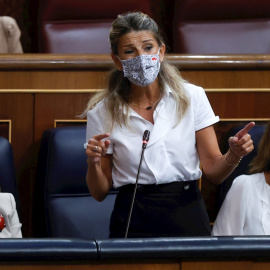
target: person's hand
<point>97,147</point>
<point>241,144</point>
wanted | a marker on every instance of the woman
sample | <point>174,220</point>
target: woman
<point>146,93</point>
<point>245,210</point>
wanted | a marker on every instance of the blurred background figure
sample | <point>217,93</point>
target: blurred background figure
<point>246,208</point>
<point>9,36</point>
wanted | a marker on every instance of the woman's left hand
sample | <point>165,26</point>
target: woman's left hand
<point>241,144</point>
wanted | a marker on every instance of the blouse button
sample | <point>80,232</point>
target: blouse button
<point>186,187</point>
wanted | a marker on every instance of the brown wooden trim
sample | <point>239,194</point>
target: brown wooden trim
<point>9,122</point>
<point>204,62</point>
<point>237,90</point>
<point>243,119</point>
<point>85,91</point>
<point>48,91</point>
<point>58,121</point>
<point>104,61</point>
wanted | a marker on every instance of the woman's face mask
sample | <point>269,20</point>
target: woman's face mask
<point>141,70</point>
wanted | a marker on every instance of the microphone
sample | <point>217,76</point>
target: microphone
<point>146,135</point>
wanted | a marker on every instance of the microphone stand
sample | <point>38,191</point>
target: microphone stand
<point>145,141</point>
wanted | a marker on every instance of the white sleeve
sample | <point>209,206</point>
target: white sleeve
<point>231,217</point>
<point>15,225</point>
<point>95,126</point>
<point>203,113</point>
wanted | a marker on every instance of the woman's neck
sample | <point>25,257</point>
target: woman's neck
<point>144,96</point>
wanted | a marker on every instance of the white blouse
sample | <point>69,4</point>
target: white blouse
<point>9,212</point>
<point>246,208</point>
<point>171,153</point>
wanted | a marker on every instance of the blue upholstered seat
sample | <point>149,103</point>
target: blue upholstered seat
<point>62,195</point>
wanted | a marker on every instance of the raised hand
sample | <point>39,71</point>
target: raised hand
<point>241,144</point>
<point>97,147</point>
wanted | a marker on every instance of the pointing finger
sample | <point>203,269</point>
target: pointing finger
<point>245,130</point>
<point>101,136</point>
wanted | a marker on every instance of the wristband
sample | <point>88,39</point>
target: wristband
<point>225,159</point>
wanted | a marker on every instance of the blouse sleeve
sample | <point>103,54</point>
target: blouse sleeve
<point>95,126</point>
<point>231,217</point>
<point>15,225</point>
<point>203,113</point>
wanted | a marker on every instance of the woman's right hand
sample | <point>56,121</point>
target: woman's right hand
<point>97,147</point>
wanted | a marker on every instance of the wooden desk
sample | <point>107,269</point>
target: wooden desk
<point>40,91</point>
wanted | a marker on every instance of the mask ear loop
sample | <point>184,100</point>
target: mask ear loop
<point>118,57</point>
<point>123,65</point>
<point>158,55</point>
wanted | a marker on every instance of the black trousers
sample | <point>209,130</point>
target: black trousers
<point>165,210</point>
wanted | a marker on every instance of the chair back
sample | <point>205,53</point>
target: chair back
<point>221,27</point>
<point>63,197</point>
<point>81,26</point>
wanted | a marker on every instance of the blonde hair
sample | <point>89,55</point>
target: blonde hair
<point>117,93</point>
<point>261,163</point>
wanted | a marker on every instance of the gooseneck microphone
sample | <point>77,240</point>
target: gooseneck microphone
<point>146,135</point>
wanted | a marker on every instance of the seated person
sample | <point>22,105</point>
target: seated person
<point>10,226</point>
<point>246,208</point>
<point>9,36</point>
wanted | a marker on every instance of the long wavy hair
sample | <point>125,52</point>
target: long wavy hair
<point>117,93</point>
<point>261,163</point>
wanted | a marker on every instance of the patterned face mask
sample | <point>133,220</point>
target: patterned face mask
<point>141,70</point>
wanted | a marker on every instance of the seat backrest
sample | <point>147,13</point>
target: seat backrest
<point>62,195</point>
<point>221,27</point>
<point>256,133</point>
<point>81,26</point>
<point>7,170</point>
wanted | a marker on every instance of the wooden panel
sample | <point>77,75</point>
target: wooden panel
<point>228,78</point>
<point>240,104</point>
<point>232,265</point>
<point>50,107</point>
<point>52,79</point>
<point>198,265</point>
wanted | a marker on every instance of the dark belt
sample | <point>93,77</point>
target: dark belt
<point>173,187</point>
